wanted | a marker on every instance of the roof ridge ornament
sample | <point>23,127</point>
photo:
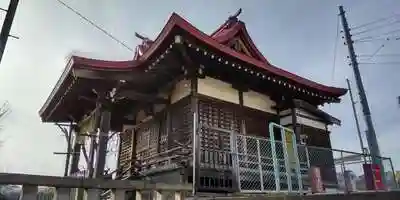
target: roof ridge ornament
<point>232,19</point>
<point>141,37</point>
<point>236,15</point>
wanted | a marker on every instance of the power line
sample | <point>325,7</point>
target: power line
<point>96,26</point>
<point>335,48</point>
<point>380,63</point>
<point>379,55</point>
<point>375,21</point>
<point>377,50</point>
<point>390,38</point>
<point>375,36</point>
<point>375,28</point>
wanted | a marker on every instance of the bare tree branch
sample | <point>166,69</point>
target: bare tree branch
<point>5,109</point>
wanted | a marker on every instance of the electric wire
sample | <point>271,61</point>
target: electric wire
<point>375,21</point>
<point>391,38</point>
<point>379,63</point>
<point>96,26</point>
<point>375,36</point>
<point>379,55</point>
<point>335,49</point>
<point>375,28</point>
<point>377,51</point>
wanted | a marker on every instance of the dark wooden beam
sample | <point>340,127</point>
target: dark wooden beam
<point>93,100</point>
<point>134,95</point>
<point>240,87</point>
<point>105,75</point>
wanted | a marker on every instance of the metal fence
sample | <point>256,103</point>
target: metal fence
<point>254,164</point>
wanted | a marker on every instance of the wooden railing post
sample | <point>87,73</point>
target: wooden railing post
<point>118,194</point>
<point>178,196</point>
<point>29,192</point>
<point>157,195</point>
<point>138,195</point>
<point>68,188</point>
<point>62,194</point>
<point>92,194</point>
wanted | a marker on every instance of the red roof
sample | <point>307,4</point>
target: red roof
<point>217,40</point>
<point>232,28</point>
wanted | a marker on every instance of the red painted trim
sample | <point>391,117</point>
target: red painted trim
<point>177,21</point>
<point>82,62</point>
<point>270,68</point>
<point>239,28</point>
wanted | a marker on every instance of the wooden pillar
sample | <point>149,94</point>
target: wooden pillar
<point>191,70</point>
<point>103,140</point>
<point>133,152</point>
<point>242,110</point>
<point>93,146</point>
<point>75,151</point>
<point>69,150</point>
<point>328,135</point>
<point>168,122</point>
<point>296,127</point>
<point>29,192</point>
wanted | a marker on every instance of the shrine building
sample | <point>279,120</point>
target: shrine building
<point>187,90</point>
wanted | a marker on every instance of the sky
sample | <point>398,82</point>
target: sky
<point>298,36</point>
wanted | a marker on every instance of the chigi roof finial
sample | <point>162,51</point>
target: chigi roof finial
<point>236,15</point>
<point>141,37</point>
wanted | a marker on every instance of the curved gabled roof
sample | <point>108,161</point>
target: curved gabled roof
<point>234,28</point>
<point>219,40</point>
<point>216,40</point>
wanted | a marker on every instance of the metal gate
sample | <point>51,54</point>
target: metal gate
<point>265,165</point>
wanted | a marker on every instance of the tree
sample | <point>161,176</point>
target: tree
<point>4,111</point>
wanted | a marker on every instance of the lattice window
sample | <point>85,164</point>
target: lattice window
<point>143,139</point>
<point>125,151</point>
<point>218,115</point>
<point>221,116</point>
<point>181,122</point>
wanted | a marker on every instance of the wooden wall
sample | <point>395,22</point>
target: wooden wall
<point>224,91</point>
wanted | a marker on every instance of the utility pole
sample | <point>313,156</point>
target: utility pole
<point>5,29</point>
<point>371,136</point>
<point>353,105</point>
